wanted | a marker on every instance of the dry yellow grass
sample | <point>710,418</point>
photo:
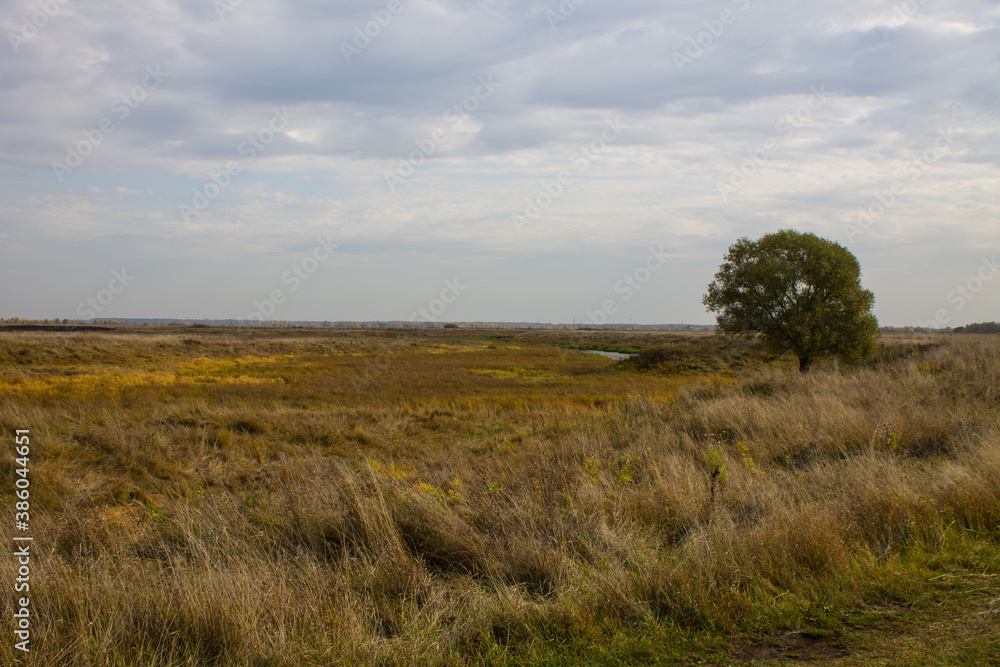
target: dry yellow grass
<point>289,498</point>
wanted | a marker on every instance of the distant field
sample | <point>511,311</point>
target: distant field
<point>452,497</point>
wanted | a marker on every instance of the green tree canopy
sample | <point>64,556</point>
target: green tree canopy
<point>799,293</point>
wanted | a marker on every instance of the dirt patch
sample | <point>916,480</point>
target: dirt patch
<point>794,647</point>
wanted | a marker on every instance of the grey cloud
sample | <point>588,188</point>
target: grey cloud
<point>893,85</point>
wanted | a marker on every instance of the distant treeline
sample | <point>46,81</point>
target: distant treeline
<point>979,328</point>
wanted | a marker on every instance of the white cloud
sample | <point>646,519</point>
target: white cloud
<point>895,80</point>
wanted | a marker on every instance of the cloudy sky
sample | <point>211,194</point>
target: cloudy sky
<point>513,160</point>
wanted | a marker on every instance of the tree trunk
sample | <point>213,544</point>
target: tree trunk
<point>804,364</point>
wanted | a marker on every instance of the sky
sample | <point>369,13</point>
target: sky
<point>489,160</point>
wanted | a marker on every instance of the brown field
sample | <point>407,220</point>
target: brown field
<point>453,497</point>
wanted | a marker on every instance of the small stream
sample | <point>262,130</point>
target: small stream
<point>617,356</point>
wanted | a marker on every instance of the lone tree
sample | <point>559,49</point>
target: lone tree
<point>799,292</point>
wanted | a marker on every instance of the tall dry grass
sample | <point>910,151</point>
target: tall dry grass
<point>411,521</point>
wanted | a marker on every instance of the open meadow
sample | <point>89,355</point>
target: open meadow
<point>281,496</point>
